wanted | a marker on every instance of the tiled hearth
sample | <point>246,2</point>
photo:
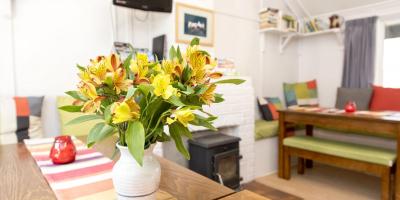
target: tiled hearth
<point>236,118</point>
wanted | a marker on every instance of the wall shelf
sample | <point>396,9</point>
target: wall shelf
<point>287,36</point>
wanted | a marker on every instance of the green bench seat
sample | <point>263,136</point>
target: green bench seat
<point>343,149</point>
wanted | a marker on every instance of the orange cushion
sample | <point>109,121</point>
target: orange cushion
<point>385,99</point>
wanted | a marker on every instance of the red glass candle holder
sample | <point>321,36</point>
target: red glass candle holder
<point>350,107</point>
<point>63,150</point>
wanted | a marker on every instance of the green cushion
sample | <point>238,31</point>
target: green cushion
<point>65,117</point>
<point>343,149</point>
<point>266,129</point>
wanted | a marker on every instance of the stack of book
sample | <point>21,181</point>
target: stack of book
<point>269,18</point>
<point>314,25</point>
<point>226,67</point>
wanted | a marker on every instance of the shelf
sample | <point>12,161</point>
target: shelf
<point>336,30</point>
<point>274,30</point>
<point>286,36</point>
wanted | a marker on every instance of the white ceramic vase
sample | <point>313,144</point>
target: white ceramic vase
<point>132,181</point>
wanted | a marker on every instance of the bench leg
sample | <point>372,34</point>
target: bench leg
<point>309,132</point>
<point>385,184</point>
<point>286,164</point>
<point>300,165</point>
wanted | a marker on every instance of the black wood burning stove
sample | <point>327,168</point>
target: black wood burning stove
<point>216,156</point>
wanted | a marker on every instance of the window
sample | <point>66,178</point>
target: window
<point>391,57</point>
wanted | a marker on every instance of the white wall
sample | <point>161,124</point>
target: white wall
<point>276,68</point>
<point>321,57</point>
<point>236,35</point>
<point>52,36</point>
<point>6,59</point>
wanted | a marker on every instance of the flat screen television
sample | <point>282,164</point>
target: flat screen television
<point>159,46</point>
<point>146,5</point>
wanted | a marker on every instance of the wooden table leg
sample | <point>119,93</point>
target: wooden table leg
<point>309,132</point>
<point>281,136</point>
<point>397,173</point>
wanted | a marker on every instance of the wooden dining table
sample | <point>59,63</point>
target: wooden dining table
<point>20,177</point>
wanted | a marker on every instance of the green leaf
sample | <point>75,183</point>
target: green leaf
<point>107,114</point>
<point>179,86</point>
<point>131,92</point>
<point>183,130</point>
<point>200,89</point>
<point>71,108</point>
<point>99,132</point>
<point>179,54</point>
<point>204,52</point>
<point>91,138</point>
<point>230,81</point>
<point>195,41</point>
<point>174,100</point>
<point>218,98</point>
<point>76,95</point>
<point>83,118</point>
<point>172,53</point>
<point>145,89</point>
<point>80,67</point>
<point>163,137</point>
<point>175,131</point>
<point>204,122</point>
<point>135,138</point>
<point>127,62</point>
<point>186,74</point>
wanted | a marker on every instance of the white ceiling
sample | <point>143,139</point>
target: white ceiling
<point>317,7</point>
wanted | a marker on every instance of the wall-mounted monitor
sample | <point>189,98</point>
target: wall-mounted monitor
<point>146,5</point>
<point>159,46</point>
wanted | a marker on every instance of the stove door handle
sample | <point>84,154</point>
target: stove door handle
<point>220,180</point>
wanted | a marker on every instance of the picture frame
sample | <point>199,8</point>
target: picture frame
<point>193,22</point>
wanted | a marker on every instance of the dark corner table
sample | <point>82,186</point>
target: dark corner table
<point>21,178</point>
<point>383,126</point>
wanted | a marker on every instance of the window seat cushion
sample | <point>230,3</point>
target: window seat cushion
<point>265,129</point>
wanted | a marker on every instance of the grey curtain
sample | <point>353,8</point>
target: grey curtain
<point>359,53</point>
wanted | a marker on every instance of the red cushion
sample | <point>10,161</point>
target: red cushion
<point>385,99</point>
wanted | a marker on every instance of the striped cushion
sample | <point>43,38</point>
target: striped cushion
<point>269,107</point>
<point>20,118</point>
<point>301,94</point>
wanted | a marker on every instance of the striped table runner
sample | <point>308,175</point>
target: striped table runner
<point>89,177</point>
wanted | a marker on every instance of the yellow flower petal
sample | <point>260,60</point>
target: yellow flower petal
<point>170,121</point>
<point>184,116</point>
<point>125,111</point>
<point>122,113</point>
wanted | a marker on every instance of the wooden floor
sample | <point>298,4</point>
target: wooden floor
<point>269,192</point>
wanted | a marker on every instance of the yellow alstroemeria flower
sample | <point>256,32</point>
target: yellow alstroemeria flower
<point>98,72</point>
<point>140,68</point>
<point>112,62</point>
<point>142,59</point>
<point>184,116</point>
<point>197,61</point>
<point>89,91</point>
<point>162,86</point>
<point>120,82</point>
<point>208,96</point>
<point>172,67</point>
<point>125,111</point>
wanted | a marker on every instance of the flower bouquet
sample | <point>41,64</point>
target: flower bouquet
<point>139,100</point>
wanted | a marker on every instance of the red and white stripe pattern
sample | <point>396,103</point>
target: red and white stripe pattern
<point>89,177</point>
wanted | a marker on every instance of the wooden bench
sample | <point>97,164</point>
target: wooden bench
<point>372,160</point>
